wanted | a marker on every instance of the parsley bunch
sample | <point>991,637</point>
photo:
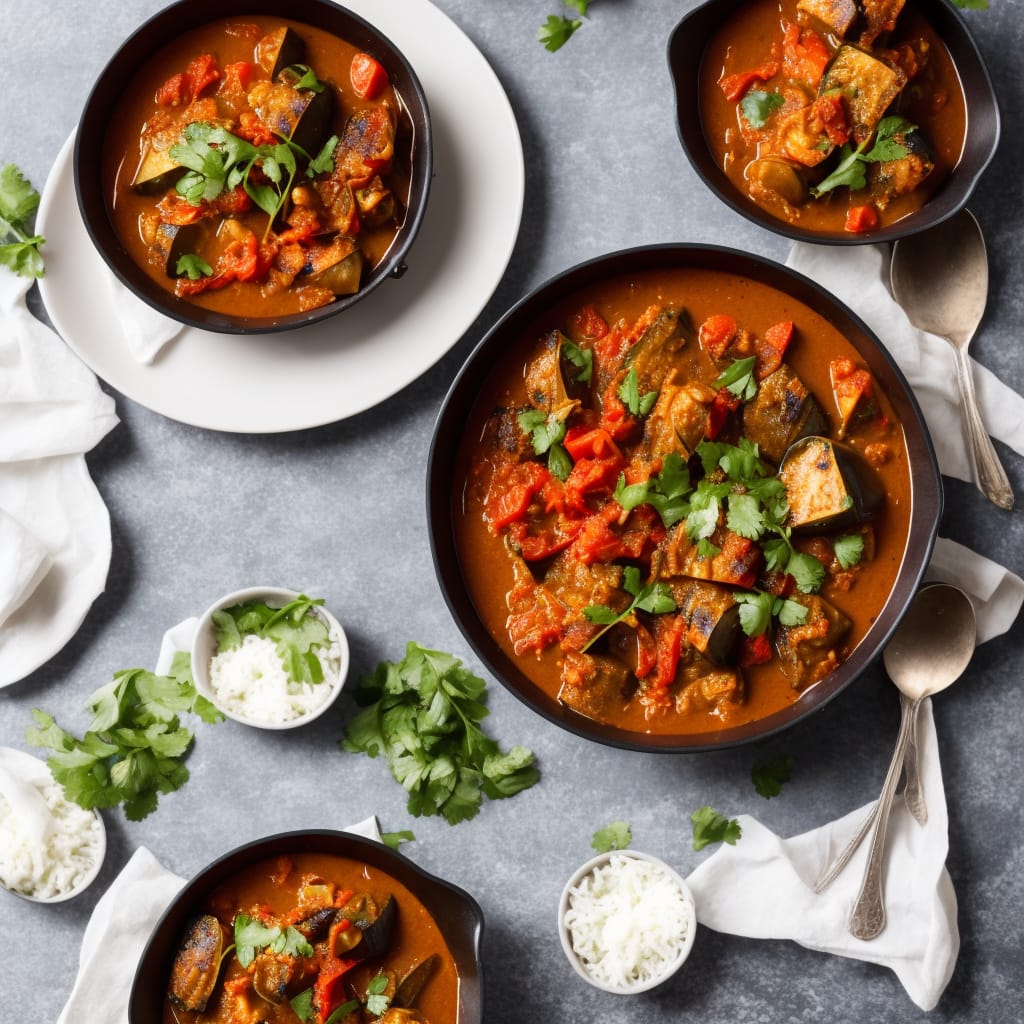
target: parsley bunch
<point>19,247</point>
<point>422,713</point>
<point>135,745</point>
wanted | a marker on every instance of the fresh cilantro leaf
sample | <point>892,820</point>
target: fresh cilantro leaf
<point>744,516</point>
<point>557,31</point>
<point>705,509</point>
<point>376,1000</point>
<point>757,106</point>
<point>581,358</point>
<point>886,147</point>
<point>808,572</point>
<point>324,160</point>
<point>422,713</point>
<point>302,1004</point>
<point>252,935</point>
<point>739,379</point>
<point>789,613</point>
<point>19,247</point>
<point>666,493</point>
<point>711,827</point>
<point>849,549</point>
<point>559,462</point>
<point>543,428</point>
<point>616,836</point>
<point>306,78</point>
<point>850,169</point>
<point>705,549</point>
<point>629,391</point>
<point>776,554</point>
<point>769,776</point>
<point>755,612</point>
<point>341,1012</point>
<point>192,266</point>
<point>393,840</point>
<point>655,598</point>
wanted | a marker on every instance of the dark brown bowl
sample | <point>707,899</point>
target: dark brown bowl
<point>457,914</point>
<point>443,484</point>
<point>686,53</point>
<point>133,54</point>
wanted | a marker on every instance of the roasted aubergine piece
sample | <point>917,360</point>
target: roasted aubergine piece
<point>197,964</point>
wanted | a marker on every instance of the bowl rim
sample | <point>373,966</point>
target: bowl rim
<point>441,896</point>
<point>691,925</point>
<point>201,649</point>
<point>185,15</point>
<point>685,51</point>
<point>925,482</point>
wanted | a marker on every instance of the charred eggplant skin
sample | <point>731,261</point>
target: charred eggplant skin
<point>829,485</point>
<point>197,964</point>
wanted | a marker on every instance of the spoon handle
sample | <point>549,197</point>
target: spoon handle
<point>913,791</point>
<point>867,919</point>
<point>988,471</point>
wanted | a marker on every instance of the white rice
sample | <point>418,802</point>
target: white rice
<point>61,862</point>
<point>627,920</point>
<point>251,681</point>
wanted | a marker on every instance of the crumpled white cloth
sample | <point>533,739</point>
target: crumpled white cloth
<point>119,929</point>
<point>859,277</point>
<point>54,526</point>
<point>144,331</point>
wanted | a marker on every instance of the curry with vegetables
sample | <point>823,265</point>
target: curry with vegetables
<point>258,167</point>
<point>313,938</point>
<point>685,501</point>
<point>836,116</point>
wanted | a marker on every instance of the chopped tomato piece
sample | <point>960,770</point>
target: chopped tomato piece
<point>723,403</point>
<point>861,219</point>
<point>175,92</point>
<point>238,76</point>
<point>201,73</point>
<point>368,77</point>
<point>850,385</point>
<point>512,489</point>
<point>597,541</point>
<point>535,546</point>
<point>735,86</point>
<point>716,334</point>
<point>738,563</point>
<point>830,113</point>
<point>771,348</point>
<point>582,443</point>
<point>587,324</point>
<point>755,650</point>
<point>589,476</point>
<point>668,636</point>
<point>329,988</point>
<point>804,54</point>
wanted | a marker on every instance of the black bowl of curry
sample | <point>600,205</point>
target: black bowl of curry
<point>243,168</point>
<point>316,926</point>
<point>679,497</point>
<point>833,121</point>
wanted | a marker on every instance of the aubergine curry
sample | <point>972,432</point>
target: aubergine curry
<point>258,167</point>
<point>686,500</point>
<point>312,938</point>
<point>838,117</point>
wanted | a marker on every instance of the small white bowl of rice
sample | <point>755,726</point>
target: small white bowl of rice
<point>51,850</point>
<point>261,676</point>
<point>626,921</point>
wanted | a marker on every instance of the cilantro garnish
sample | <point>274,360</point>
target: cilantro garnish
<point>757,609</point>
<point>711,827</point>
<point>547,431</point>
<point>849,549</point>
<point>757,106</point>
<point>558,29</point>
<point>252,935</point>
<point>324,160</point>
<point>629,391</point>
<point>581,358</point>
<point>376,1000</point>
<point>739,379</point>
<point>192,266</point>
<point>423,714</point>
<point>393,840</point>
<point>769,776</point>
<point>19,247</point>
<point>850,169</point>
<point>134,747</point>
<point>342,1011</point>
<point>298,632</point>
<point>615,836</point>
<point>666,493</point>
<point>655,598</point>
<point>302,1004</point>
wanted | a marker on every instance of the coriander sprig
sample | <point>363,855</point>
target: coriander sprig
<point>558,29</point>
<point>655,598</point>
<point>850,170</point>
<point>546,431</point>
<point>19,246</point>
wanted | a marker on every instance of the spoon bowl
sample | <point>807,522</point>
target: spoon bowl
<point>940,278</point>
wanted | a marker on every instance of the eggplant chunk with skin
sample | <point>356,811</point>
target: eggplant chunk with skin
<point>651,355</point>
<point>197,964</point>
<point>280,49</point>
<point>300,115</point>
<point>837,15</point>
<point>810,651</point>
<point>829,485</point>
<point>776,180</point>
<point>549,382</point>
<point>158,170</point>
<point>868,85</point>
<point>889,179</point>
<point>412,982</point>
<point>594,685</point>
<point>375,924</point>
<point>272,974</point>
<point>712,618</point>
<point>679,420</point>
<point>781,412</point>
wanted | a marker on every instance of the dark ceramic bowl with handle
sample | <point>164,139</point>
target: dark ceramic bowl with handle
<point>688,54</point>
<point>457,428</point>
<point>413,151</point>
<point>456,914</point>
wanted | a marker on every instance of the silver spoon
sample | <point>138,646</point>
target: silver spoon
<point>928,652</point>
<point>940,278</point>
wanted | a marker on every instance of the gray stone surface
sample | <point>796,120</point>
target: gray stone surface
<point>193,516</point>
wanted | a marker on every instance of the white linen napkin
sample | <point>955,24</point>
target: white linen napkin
<point>55,530</point>
<point>119,929</point>
<point>144,330</point>
<point>858,275</point>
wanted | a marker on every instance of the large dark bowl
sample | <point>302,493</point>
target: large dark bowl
<point>456,912</point>
<point>444,485</point>
<point>156,33</point>
<point>686,53</point>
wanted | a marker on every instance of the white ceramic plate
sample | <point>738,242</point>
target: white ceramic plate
<point>331,370</point>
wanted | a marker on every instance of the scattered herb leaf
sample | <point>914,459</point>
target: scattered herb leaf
<point>711,827</point>
<point>629,391</point>
<point>850,169</point>
<point>739,379</point>
<point>252,935</point>
<point>302,1004</point>
<point>615,836</point>
<point>557,31</point>
<point>422,714</point>
<point>849,549</point>
<point>655,598</point>
<point>341,1012</point>
<point>393,840</point>
<point>19,247</point>
<point>666,493</point>
<point>581,358</point>
<point>769,776</point>
<point>757,106</point>
<point>546,431</point>
<point>192,266</point>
